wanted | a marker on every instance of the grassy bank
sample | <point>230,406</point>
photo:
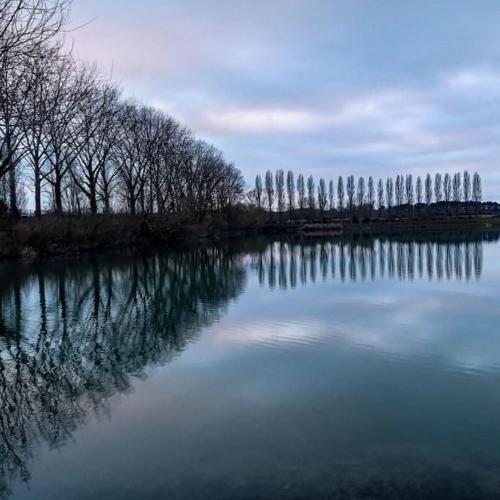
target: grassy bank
<point>50,235</point>
<point>31,238</point>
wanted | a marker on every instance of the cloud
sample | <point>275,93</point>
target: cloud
<point>326,87</point>
<point>396,112</point>
<point>475,79</point>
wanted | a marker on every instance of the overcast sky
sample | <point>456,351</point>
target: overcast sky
<point>363,87</point>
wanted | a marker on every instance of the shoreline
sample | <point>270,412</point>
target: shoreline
<point>31,239</point>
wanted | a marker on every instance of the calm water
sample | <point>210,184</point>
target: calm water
<point>285,369</point>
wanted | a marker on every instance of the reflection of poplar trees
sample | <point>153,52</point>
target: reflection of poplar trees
<point>323,257</point>
<point>430,260</point>
<point>342,258</point>
<point>420,259</point>
<point>312,263</point>
<point>332,260</point>
<point>381,257</point>
<point>368,259</point>
<point>72,337</point>
<point>282,266</point>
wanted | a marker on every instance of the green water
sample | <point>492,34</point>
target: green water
<point>257,369</point>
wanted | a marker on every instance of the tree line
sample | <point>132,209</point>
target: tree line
<point>70,138</point>
<point>277,193</point>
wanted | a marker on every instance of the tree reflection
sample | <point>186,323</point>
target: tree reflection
<point>71,336</point>
<point>74,334</point>
<point>363,259</point>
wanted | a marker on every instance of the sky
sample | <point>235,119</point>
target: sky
<point>320,87</point>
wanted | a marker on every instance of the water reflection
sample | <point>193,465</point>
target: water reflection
<point>359,260</point>
<point>72,336</point>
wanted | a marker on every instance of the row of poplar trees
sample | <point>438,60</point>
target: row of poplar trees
<point>276,192</point>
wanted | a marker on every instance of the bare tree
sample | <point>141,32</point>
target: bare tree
<point>380,194</point>
<point>290,187</point>
<point>428,189</point>
<point>258,191</point>
<point>301,191</point>
<point>399,190</point>
<point>447,188</point>
<point>340,193</point>
<point>322,196</point>
<point>389,192</point>
<point>36,117</point>
<point>131,161</point>
<point>438,188</point>
<point>99,110</point>
<point>409,192</point>
<point>419,190</point>
<point>269,186</point>
<point>361,194</point>
<point>14,90</point>
<point>310,193</point>
<point>27,24</point>
<point>280,190</point>
<point>477,192</point>
<point>371,193</point>
<point>457,187</point>
<point>350,192</point>
<point>467,186</point>
<point>331,196</point>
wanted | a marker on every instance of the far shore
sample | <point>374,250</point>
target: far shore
<point>31,238</point>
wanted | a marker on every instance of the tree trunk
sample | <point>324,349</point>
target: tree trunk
<point>38,191</point>
<point>93,199</point>
<point>13,192</point>
<point>107,207</point>
<point>58,196</point>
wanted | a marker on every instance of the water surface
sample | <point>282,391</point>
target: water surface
<point>258,369</point>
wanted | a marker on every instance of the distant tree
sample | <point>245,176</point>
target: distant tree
<point>389,192</point>
<point>409,192</point>
<point>399,190</point>
<point>361,194</point>
<point>428,189</point>
<point>467,186</point>
<point>331,196</point>
<point>438,188</point>
<point>380,194</point>
<point>457,187</point>
<point>280,190</point>
<point>340,193</point>
<point>350,192</point>
<point>258,191</point>
<point>447,188</point>
<point>477,193</point>
<point>269,185</point>
<point>301,191</point>
<point>419,189</point>
<point>310,193</point>
<point>371,193</point>
<point>290,188</point>
<point>322,196</point>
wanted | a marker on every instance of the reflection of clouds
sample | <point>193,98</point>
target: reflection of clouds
<point>438,327</point>
<point>407,309</point>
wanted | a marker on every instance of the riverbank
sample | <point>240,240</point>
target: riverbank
<point>31,238</point>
